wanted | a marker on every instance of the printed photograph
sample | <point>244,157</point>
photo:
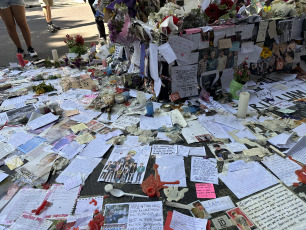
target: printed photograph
<point>126,165</point>
<point>8,189</point>
<point>240,219</point>
<point>116,214</point>
<point>220,151</point>
<point>199,211</point>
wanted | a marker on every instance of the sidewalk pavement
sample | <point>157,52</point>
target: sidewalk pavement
<point>73,19</point>
<point>35,3</point>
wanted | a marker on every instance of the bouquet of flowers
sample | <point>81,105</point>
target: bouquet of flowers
<point>225,10</point>
<point>265,53</point>
<point>75,44</point>
<point>242,73</point>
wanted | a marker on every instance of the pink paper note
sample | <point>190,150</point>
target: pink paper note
<point>205,190</point>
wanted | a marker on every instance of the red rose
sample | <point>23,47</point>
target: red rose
<point>228,3</point>
<point>213,12</point>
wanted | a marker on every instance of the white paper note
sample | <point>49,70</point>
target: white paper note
<point>95,148</point>
<point>283,168</point>
<point>3,118</point>
<point>149,123</point>
<point>180,221</point>
<point>88,204</point>
<point>20,138</point>
<point>164,150</point>
<point>203,170</point>
<point>125,121</point>
<point>244,183</point>
<point>167,52</point>
<point>197,151</point>
<point>298,151</point>
<point>80,165</point>
<point>172,168</point>
<point>184,80</point>
<point>193,129</point>
<point>218,204</point>
<point>42,121</point>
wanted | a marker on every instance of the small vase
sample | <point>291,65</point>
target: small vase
<point>234,88</point>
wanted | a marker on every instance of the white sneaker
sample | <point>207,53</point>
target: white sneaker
<point>32,52</point>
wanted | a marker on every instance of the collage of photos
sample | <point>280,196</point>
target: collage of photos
<point>216,59</point>
<point>126,165</point>
<point>220,151</point>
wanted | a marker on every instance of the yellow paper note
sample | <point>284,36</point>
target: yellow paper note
<point>78,127</point>
<point>84,138</point>
<point>13,162</point>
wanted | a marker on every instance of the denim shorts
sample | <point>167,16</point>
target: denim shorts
<point>7,3</point>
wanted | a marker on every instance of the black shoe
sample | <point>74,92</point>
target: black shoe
<point>55,26</point>
<point>21,51</point>
<point>32,52</point>
<point>51,29</point>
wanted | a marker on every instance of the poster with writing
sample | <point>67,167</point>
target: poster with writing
<point>275,208</point>
<point>126,165</point>
<point>132,216</point>
<point>184,80</point>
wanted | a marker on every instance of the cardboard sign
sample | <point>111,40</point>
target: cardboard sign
<point>80,82</point>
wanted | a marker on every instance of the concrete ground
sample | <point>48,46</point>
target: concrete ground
<point>73,16</point>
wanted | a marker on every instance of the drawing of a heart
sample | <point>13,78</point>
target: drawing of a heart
<point>182,55</point>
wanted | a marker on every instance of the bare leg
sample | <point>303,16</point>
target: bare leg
<point>47,13</point>
<point>19,15</point>
<point>7,17</point>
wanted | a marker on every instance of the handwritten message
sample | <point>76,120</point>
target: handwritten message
<point>275,208</point>
<point>184,80</point>
<point>205,190</point>
<point>146,215</point>
<point>203,170</point>
<point>164,150</point>
<point>218,204</point>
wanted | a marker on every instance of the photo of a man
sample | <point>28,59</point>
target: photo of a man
<point>220,151</point>
<point>242,222</point>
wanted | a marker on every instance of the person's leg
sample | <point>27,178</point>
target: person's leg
<point>8,19</point>
<point>19,15</point>
<point>99,21</point>
<point>47,13</point>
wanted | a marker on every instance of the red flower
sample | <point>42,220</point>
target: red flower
<point>213,12</point>
<point>228,3</point>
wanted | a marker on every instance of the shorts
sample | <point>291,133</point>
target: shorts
<point>44,3</point>
<point>7,3</point>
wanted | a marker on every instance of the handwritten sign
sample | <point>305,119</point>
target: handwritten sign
<point>118,52</point>
<point>164,150</point>
<point>218,204</point>
<point>203,170</point>
<point>184,80</point>
<point>261,35</point>
<point>182,47</point>
<point>145,215</point>
<point>205,190</point>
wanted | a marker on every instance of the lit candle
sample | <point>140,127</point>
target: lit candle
<point>55,55</point>
<point>244,98</point>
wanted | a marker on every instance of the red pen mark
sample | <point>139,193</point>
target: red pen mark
<point>43,206</point>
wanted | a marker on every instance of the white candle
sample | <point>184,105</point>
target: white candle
<point>55,55</point>
<point>244,98</point>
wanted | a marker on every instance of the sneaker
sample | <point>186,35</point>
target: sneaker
<point>32,52</point>
<point>55,26</point>
<point>21,51</point>
<point>51,29</point>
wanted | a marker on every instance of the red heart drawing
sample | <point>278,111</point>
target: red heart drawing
<point>182,54</point>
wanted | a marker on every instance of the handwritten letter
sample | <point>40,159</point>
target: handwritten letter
<point>203,170</point>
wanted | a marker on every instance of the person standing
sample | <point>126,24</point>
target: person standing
<point>99,21</point>
<point>12,12</point>
<point>140,171</point>
<point>46,5</point>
